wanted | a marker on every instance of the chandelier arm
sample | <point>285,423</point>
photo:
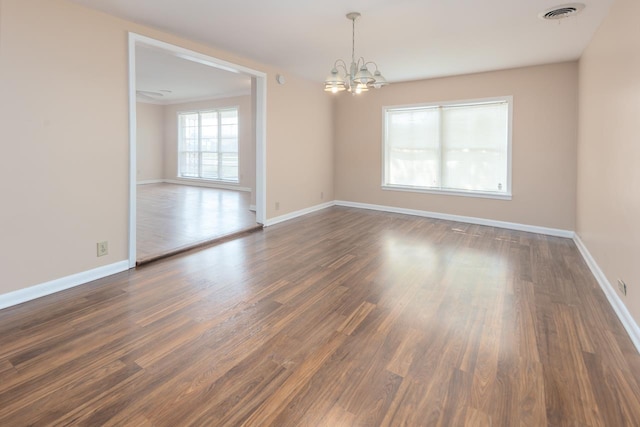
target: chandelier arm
<point>371,62</point>
<point>341,64</point>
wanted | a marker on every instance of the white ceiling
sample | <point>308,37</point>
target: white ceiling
<point>409,39</point>
<point>171,79</point>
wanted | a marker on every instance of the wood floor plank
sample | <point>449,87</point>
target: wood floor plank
<point>341,317</point>
<point>337,416</point>
<point>407,349</point>
<point>5,366</point>
<point>269,410</point>
<point>353,321</point>
<point>476,418</point>
<point>486,366</point>
<point>531,398</point>
<point>457,400</point>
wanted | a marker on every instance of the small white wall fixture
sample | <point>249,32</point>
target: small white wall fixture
<point>260,123</point>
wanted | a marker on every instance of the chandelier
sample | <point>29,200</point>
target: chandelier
<point>356,78</point>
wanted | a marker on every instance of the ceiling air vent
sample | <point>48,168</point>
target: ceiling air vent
<point>561,12</point>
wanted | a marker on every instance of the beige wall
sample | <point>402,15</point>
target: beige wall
<point>246,150</point>
<point>64,116</point>
<point>63,131</point>
<point>544,144</point>
<point>609,150</point>
<point>301,150</point>
<point>149,141</point>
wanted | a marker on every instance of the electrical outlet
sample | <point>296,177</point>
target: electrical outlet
<point>277,206</point>
<point>622,287</point>
<point>103,248</point>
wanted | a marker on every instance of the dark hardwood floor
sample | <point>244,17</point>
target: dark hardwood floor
<point>343,317</point>
<point>171,218</point>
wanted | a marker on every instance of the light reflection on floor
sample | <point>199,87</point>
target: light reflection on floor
<point>172,216</point>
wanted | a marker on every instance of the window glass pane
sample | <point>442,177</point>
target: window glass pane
<point>229,117</point>
<point>188,132</point>
<point>475,147</point>
<point>413,129</point>
<point>190,144</point>
<point>189,164</point>
<point>412,147</point>
<point>210,165</point>
<point>209,144</point>
<point>189,120</point>
<point>210,131</point>
<point>209,118</point>
<point>229,146</point>
<point>229,131</point>
<point>209,124</point>
<point>229,169</point>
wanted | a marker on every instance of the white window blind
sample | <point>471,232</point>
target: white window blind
<point>208,145</point>
<point>449,148</point>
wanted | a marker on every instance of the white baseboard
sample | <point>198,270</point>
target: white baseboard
<point>468,219</point>
<point>612,296</point>
<point>296,214</point>
<point>57,285</point>
<point>197,183</point>
<point>150,181</point>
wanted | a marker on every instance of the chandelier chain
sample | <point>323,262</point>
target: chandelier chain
<point>353,40</point>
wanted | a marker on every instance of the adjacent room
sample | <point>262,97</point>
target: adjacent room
<point>337,213</point>
<point>195,162</point>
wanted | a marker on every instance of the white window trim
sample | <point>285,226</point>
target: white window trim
<point>200,111</point>
<point>507,195</point>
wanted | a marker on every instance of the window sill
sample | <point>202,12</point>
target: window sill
<point>477,194</point>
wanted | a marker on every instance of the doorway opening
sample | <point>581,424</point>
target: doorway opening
<point>197,149</point>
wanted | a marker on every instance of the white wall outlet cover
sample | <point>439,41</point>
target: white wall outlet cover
<point>280,79</point>
<point>102,248</point>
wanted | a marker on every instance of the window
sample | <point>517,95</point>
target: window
<point>208,145</point>
<point>459,148</point>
